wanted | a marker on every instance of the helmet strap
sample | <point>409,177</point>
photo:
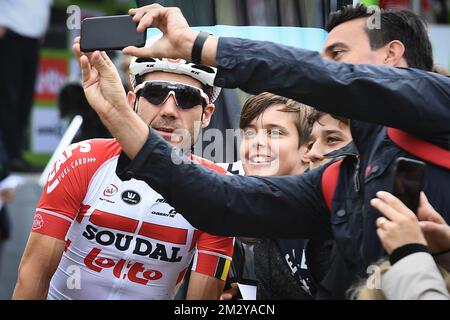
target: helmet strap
<point>136,104</point>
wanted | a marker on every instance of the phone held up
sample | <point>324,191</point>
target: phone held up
<point>110,33</point>
<point>408,182</point>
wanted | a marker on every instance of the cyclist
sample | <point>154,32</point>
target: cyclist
<point>97,237</point>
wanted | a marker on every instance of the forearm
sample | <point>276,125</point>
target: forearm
<point>209,52</point>
<point>39,262</point>
<point>377,94</point>
<point>128,128</point>
<point>202,287</point>
<point>31,286</point>
<point>230,205</point>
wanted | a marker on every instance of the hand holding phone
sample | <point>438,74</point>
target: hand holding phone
<point>110,33</point>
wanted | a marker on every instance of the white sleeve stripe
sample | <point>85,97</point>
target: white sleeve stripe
<point>212,253</point>
<point>194,263</point>
<point>54,214</point>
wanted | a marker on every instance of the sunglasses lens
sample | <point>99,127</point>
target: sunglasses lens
<point>155,94</point>
<point>186,97</point>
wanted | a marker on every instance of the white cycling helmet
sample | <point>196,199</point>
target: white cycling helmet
<point>204,74</point>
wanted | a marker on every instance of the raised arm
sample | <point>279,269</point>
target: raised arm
<point>408,99</point>
<point>232,205</point>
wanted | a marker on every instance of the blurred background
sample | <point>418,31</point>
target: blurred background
<point>41,80</point>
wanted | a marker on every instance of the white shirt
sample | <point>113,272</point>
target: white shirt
<point>28,18</point>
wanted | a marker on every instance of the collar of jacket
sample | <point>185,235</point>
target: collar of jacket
<point>348,150</point>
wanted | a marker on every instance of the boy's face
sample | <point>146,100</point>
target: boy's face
<point>270,146</point>
<point>328,134</point>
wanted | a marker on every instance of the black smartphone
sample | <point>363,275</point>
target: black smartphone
<point>408,181</point>
<point>110,33</point>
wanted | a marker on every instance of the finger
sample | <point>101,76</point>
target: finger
<point>142,10</point>
<point>106,58</point>
<point>146,21</point>
<point>99,63</point>
<point>85,67</point>
<point>226,296</point>
<point>137,15</point>
<point>151,18</point>
<point>380,222</point>
<point>141,52</point>
<point>385,209</point>
<point>395,203</point>
<point>78,53</point>
<point>427,212</point>
<point>428,227</point>
<point>77,39</point>
<point>76,50</point>
<point>382,234</point>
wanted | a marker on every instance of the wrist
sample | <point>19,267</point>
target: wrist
<point>209,51</point>
<point>186,43</point>
<point>197,49</point>
<point>118,114</point>
<point>406,250</point>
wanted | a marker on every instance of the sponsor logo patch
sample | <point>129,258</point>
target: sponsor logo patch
<point>38,222</point>
<point>110,190</point>
<point>131,197</point>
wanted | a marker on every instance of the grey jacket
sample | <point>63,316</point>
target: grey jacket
<point>415,277</point>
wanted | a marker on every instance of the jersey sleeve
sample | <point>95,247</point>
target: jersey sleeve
<point>66,187</point>
<point>213,256</point>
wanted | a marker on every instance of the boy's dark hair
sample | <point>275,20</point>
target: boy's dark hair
<point>315,115</point>
<point>401,25</point>
<point>256,105</point>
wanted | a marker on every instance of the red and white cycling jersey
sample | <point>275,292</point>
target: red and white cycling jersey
<point>123,241</point>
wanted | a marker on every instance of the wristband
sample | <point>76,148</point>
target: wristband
<point>406,250</point>
<point>198,47</point>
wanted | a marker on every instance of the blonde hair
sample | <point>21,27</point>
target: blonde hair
<point>363,292</point>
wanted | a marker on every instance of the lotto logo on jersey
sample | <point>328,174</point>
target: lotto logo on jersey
<point>38,222</point>
<point>135,273</point>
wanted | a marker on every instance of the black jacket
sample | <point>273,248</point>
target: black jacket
<point>413,101</point>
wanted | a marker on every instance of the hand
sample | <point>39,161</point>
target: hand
<point>399,226</point>
<point>8,195</point>
<point>177,40</point>
<point>230,293</point>
<point>105,93</point>
<point>434,227</point>
<point>101,83</point>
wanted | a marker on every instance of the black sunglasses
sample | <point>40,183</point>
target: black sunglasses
<point>186,96</point>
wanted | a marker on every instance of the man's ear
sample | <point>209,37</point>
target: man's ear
<point>395,54</point>
<point>207,114</point>
<point>131,96</point>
